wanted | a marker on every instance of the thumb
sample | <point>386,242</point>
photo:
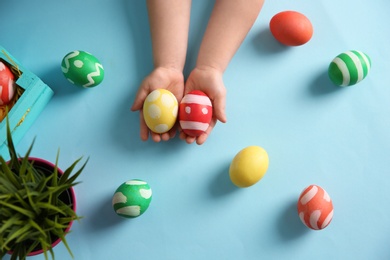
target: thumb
<point>219,105</point>
<point>139,99</point>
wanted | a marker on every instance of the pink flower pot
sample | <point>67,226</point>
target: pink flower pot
<point>68,197</point>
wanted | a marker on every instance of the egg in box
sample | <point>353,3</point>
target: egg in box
<point>7,84</point>
<point>160,110</point>
<point>23,94</point>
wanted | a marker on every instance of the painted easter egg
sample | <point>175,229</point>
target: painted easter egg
<point>248,166</point>
<point>315,207</point>
<point>195,113</point>
<point>132,198</point>
<point>291,28</point>
<point>82,69</point>
<point>7,84</point>
<point>349,68</point>
<point>160,110</point>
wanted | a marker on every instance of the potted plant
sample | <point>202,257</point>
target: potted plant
<point>37,204</point>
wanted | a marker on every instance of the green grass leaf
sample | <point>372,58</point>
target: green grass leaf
<point>8,174</point>
<point>20,232</point>
<point>18,209</point>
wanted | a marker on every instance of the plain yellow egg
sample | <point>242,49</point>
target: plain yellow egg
<point>160,110</point>
<point>248,166</point>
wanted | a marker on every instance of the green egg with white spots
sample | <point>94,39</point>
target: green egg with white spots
<point>132,198</point>
<point>349,68</point>
<point>83,69</point>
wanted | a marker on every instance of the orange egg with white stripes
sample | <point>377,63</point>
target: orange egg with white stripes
<point>315,207</point>
<point>195,113</point>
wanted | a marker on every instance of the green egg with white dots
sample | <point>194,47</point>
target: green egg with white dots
<point>132,198</point>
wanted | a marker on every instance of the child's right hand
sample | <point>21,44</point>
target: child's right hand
<point>160,78</point>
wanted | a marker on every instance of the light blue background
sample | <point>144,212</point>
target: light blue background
<point>278,97</point>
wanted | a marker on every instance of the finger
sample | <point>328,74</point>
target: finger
<point>140,97</point>
<point>219,109</point>
<point>190,139</point>
<point>144,130</point>
<point>156,137</point>
<point>165,136</point>
<point>203,137</point>
<point>178,96</point>
<point>172,133</point>
<point>182,136</point>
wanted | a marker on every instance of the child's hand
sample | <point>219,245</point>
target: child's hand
<point>160,78</point>
<point>209,80</point>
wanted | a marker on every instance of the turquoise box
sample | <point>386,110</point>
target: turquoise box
<point>31,96</point>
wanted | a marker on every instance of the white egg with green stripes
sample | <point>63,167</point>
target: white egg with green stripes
<point>349,68</point>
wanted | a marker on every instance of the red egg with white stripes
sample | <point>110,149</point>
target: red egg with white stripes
<point>195,113</point>
<point>7,84</point>
<point>315,207</point>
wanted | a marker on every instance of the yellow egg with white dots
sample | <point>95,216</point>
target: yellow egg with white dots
<point>160,110</point>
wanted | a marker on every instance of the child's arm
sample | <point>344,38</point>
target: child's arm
<point>169,25</point>
<point>229,24</point>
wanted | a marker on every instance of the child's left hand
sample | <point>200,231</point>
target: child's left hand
<point>209,81</point>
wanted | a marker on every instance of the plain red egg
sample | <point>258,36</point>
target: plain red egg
<point>291,28</point>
